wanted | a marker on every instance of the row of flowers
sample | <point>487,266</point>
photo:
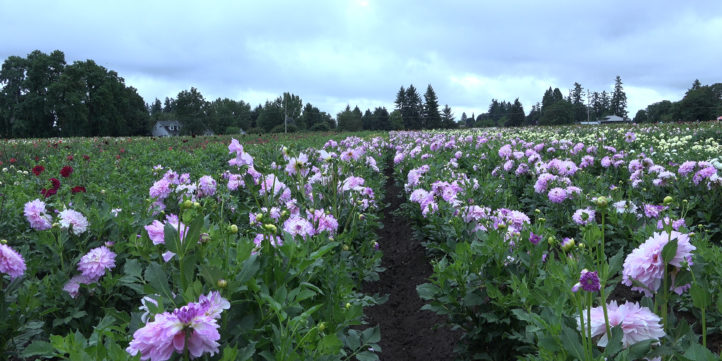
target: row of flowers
<point>517,223</point>
<point>258,257</point>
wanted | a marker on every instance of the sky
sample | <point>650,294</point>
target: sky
<point>360,52</point>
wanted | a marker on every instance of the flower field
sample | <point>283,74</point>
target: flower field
<point>546,243</point>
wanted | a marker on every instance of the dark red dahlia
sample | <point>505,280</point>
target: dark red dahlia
<point>66,171</point>
<point>56,183</point>
<point>38,169</point>
<point>78,189</point>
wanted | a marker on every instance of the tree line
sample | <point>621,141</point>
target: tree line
<point>43,96</point>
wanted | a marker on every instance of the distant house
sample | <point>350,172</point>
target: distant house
<point>612,119</point>
<point>166,128</point>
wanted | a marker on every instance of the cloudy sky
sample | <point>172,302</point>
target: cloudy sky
<point>359,52</point>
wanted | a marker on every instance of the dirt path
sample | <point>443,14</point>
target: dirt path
<point>407,332</point>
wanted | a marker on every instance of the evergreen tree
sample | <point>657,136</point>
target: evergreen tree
<point>367,120</point>
<point>156,109</point>
<point>400,99</point>
<point>432,118</point>
<point>516,114</point>
<point>412,109</point>
<point>381,119</point>
<point>618,103</point>
<point>447,118</point>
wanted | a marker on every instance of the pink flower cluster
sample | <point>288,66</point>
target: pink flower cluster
<point>37,215</point>
<point>638,323</point>
<point>92,267</point>
<point>193,327</point>
<point>11,262</point>
<point>242,158</point>
<point>156,230</point>
<point>646,266</point>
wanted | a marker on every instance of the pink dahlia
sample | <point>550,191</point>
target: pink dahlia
<point>95,262</point>
<point>160,189</point>
<point>206,186</point>
<point>192,327</point>
<point>37,215</point>
<point>583,216</point>
<point>11,262</point>
<point>298,226</point>
<point>73,218</point>
<point>645,263</point>
<point>557,195</point>
<point>638,323</point>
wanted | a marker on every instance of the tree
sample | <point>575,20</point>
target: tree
<point>191,110</point>
<point>156,109</point>
<point>557,113</point>
<point>400,99</point>
<point>412,109</point>
<point>447,118</point>
<point>396,120</point>
<point>641,116</point>
<point>381,119</point>
<point>534,115</point>
<point>618,103</point>
<point>660,112</point>
<point>349,120</point>
<point>227,116</point>
<point>291,105</point>
<point>699,103</point>
<point>516,114</point>
<point>367,120</point>
<point>271,116</point>
<point>432,118</point>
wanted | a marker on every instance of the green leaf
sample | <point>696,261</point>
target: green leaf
<point>171,239</point>
<point>427,291</point>
<point>330,344</point>
<point>39,348</point>
<point>669,251</point>
<point>719,303</point>
<point>640,349</point>
<point>248,269</point>
<point>615,263</point>
<point>614,344</point>
<point>697,352</point>
<point>572,342</point>
<point>700,296</point>
<point>158,280</point>
<point>367,356</point>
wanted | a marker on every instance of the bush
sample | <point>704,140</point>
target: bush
<point>232,130</point>
<point>280,128</point>
<point>320,127</point>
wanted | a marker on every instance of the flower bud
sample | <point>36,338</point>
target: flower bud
<point>668,200</point>
<point>233,228</point>
<point>348,305</point>
<point>196,205</point>
<point>322,326</point>
<point>205,237</point>
<point>270,227</point>
<point>187,203</point>
<point>222,283</point>
<point>567,244</point>
<point>601,201</point>
<point>3,241</point>
<point>345,247</point>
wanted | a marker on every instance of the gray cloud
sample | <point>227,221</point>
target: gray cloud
<point>361,51</point>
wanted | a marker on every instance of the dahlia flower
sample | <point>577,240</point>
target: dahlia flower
<point>11,262</point>
<point>645,263</point>
<point>73,218</point>
<point>192,327</point>
<point>95,262</point>
<point>637,323</point>
<point>37,215</point>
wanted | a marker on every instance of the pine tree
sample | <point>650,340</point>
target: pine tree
<point>447,118</point>
<point>618,103</point>
<point>412,109</point>
<point>432,118</point>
